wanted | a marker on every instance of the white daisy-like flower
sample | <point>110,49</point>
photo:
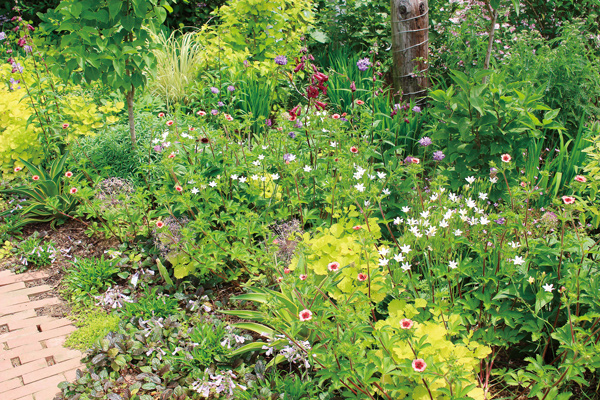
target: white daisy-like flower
<point>383,262</point>
<point>471,203</point>
<point>548,287</point>
<point>434,197</point>
<point>483,196</point>
<point>405,249</point>
<point>484,221</point>
<point>307,168</point>
<point>265,147</point>
<point>333,144</point>
<point>425,214</point>
<point>242,179</point>
<point>399,257</point>
<point>397,221</point>
<point>234,177</point>
<point>263,179</point>
<point>212,184</point>
<point>411,221</point>
<point>360,187</point>
<point>383,251</point>
<point>195,190</point>
<point>405,209</point>
<point>256,163</point>
<point>405,267</point>
<point>448,214</point>
<point>386,191</point>
<point>367,203</point>
<point>261,157</point>
<point>254,177</point>
<point>470,179</point>
<point>519,260</point>
<point>457,232</point>
<point>494,179</point>
<point>453,265</point>
<point>275,176</point>
<point>431,231</point>
<point>444,224</point>
<point>453,197</point>
<point>381,175</point>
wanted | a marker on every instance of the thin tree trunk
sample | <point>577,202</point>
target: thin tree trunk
<point>131,119</point>
<point>491,32</point>
<point>410,45</point>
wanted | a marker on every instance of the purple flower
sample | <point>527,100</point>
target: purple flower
<point>220,104</point>
<point>416,109</point>
<point>292,135</point>
<point>269,122</point>
<point>500,221</point>
<point>231,88</point>
<point>214,112</point>
<point>363,64</point>
<point>438,155</point>
<point>2,35</point>
<point>425,141</point>
<point>214,90</point>
<point>27,48</point>
<point>158,148</point>
<point>298,124</point>
<point>288,157</point>
<point>281,60</point>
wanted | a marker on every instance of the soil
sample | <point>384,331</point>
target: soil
<point>73,243</point>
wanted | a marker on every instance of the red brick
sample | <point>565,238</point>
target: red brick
<point>53,370</point>
<point>43,384</point>
<point>37,337</point>
<point>31,305</point>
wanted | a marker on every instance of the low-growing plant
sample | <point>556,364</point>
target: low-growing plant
<point>88,277</point>
<point>151,304</point>
<point>35,252</point>
<point>92,326</point>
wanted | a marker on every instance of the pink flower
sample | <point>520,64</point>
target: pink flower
<point>201,113</point>
<point>305,315</point>
<point>357,227</point>
<point>170,122</point>
<point>287,271</point>
<point>415,160</point>
<point>568,199</point>
<point>406,323</point>
<point>35,178</point>
<point>335,116</point>
<point>279,279</point>
<point>160,224</point>
<point>179,188</point>
<point>353,149</point>
<point>419,365</point>
<point>506,157</point>
<point>160,115</point>
<point>302,277</point>
<point>17,169</point>
<point>191,128</point>
<point>73,190</point>
<point>172,155</point>
<point>228,117</point>
<point>360,102</point>
<point>580,178</point>
<point>333,266</point>
<point>65,125</point>
<point>362,277</point>
<point>68,174</point>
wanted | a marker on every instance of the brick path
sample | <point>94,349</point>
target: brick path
<point>32,359</point>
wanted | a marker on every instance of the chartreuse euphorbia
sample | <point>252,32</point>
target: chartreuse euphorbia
<point>451,367</point>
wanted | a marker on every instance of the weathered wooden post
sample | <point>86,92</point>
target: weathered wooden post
<point>410,44</point>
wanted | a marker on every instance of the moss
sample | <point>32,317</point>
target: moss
<point>92,327</point>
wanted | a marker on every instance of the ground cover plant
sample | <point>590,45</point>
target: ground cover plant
<point>282,223</point>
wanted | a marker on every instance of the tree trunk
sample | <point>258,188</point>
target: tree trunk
<point>131,119</point>
<point>410,44</point>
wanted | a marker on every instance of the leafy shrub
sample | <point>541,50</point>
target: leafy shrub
<point>90,276</point>
<point>151,305</point>
<point>92,326</point>
<point>33,252</point>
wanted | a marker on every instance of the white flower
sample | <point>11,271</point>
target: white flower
<point>519,260</point>
<point>212,184</point>
<point>431,231</point>
<point>275,176</point>
<point>367,203</point>
<point>513,245</point>
<point>333,144</point>
<point>470,179</point>
<point>234,177</point>
<point>264,148</point>
<point>371,177</point>
<point>194,190</point>
<point>548,287</point>
<point>448,214</point>
<point>414,230</point>
<point>307,168</point>
<point>443,224</point>
<point>155,141</point>
<point>434,197</point>
<point>191,182</point>
<point>453,197</point>
<point>263,179</point>
<point>399,257</point>
<point>243,179</point>
<point>453,265</point>
<point>360,187</point>
<point>261,157</point>
<point>471,203</point>
<point>383,251</point>
<point>425,214</point>
<point>405,249</point>
<point>405,209</point>
<point>357,176</point>
<point>494,179</point>
<point>405,267</point>
<point>256,163</point>
<point>386,192</point>
<point>381,175</point>
<point>397,221</point>
<point>457,232</point>
<point>291,157</point>
<point>254,177</point>
<point>484,221</point>
<point>483,196</point>
<point>383,262</point>
<point>411,221</point>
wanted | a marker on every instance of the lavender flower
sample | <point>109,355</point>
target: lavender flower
<point>2,35</point>
<point>416,109</point>
<point>220,104</point>
<point>438,155</point>
<point>214,112</point>
<point>292,135</point>
<point>298,124</point>
<point>231,88</point>
<point>281,60</point>
<point>288,157</point>
<point>500,221</point>
<point>363,64</point>
<point>27,48</point>
<point>214,90</point>
<point>158,148</point>
<point>269,122</point>
<point>425,141</point>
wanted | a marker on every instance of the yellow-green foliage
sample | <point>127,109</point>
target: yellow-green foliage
<point>354,250</point>
<point>6,250</point>
<point>457,361</point>
<point>93,326</point>
<point>18,139</point>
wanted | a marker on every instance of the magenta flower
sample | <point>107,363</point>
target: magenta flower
<point>363,64</point>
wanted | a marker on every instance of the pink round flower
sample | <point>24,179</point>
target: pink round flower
<point>360,102</point>
<point>305,315</point>
<point>179,188</point>
<point>506,157</point>
<point>287,271</point>
<point>333,266</point>
<point>35,177</point>
<point>161,114</point>
<point>302,277</point>
<point>17,169</point>
<point>65,125</point>
<point>580,178</point>
<point>68,174</point>
<point>73,190</point>
<point>172,155</point>
<point>279,279</point>
<point>357,227</point>
<point>335,116</point>
<point>406,323</point>
<point>228,117</point>
<point>523,184</point>
<point>415,160</point>
<point>353,149</point>
<point>160,224</point>
<point>362,277</point>
<point>170,122</point>
<point>191,128</point>
<point>419,365</point>
<point>201,113</point>
<point>568,199</point>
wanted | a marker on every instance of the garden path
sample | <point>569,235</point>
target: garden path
<point>33,360</point>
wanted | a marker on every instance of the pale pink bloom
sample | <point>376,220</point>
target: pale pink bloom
<point>68,174</point>
<point>179,188</point>
<point>362,277</point>
<point>65,125</point>
<point>17,169</point>
<point>160,224</point>
<point>335,116</point>
<point>287,271</point>
<point>302,277</point>
<point>419,365</point>
<point>580,178</point>
<point>406,323</point>
<point>201,113</point>
<point>170,122</point>
<point>35,178</point>
<point>305,315</point>
<point>506,157</point>
<point>73,190</point>
<point>568,199</point>
<point>357,227</point>
<point>354,149</point>
<point>333,266</point>
<point>161,114</point>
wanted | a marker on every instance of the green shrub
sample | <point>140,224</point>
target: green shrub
<point>151,304</point>
<point>89,276</point>
<point>92,326</point>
